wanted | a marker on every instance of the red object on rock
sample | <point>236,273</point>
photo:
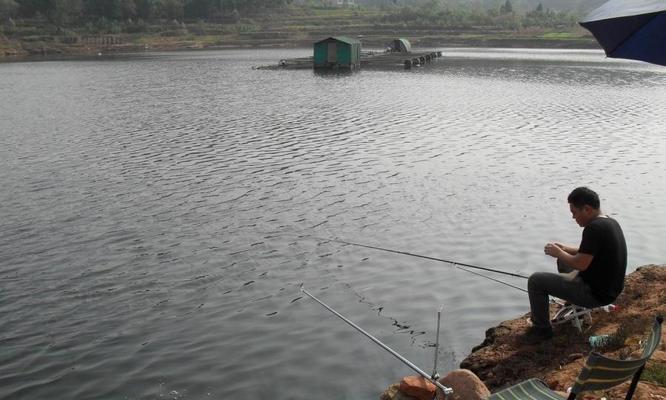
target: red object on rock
<point>418,386</point>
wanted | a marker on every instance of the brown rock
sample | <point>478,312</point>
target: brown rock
<point>417,386</point>
<point>465,385</point>
<point>393,393</point>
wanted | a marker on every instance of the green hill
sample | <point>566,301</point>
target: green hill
<point>277,23</point>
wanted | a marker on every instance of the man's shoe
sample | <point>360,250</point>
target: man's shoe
<point>535,335</point>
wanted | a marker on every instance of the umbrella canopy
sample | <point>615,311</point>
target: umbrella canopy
<point>634,29</point>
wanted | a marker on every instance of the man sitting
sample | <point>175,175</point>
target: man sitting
<point>601,262</point>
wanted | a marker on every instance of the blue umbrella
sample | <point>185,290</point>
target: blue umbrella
<point>634,29</point>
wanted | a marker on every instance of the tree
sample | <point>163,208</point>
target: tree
<point>124,9</point>
<point>198,8</point>
<point>8,9</point>
<point>145,9</point>
<point>539,8</point>
<point>31,8</point>
<point>61,12</point>
<point>170,9</point>
<point>99,8</point>
<point>507,8</point>
<point>9,27</point>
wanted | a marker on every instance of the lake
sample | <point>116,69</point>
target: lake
<point>159,212</point>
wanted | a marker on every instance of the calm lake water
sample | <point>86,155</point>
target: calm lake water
<point>158,212</point>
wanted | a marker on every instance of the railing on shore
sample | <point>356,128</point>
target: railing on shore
<point>100,40</point>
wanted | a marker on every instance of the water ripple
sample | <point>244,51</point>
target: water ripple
<point>159,212</point>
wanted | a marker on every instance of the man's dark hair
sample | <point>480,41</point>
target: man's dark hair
<point>582,196</point>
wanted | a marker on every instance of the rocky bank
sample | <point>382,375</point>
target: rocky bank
<point>502,360</point>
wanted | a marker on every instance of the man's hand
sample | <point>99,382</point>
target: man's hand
<point>554,249</point>
<point>567,249</point>
<point>569,255</point>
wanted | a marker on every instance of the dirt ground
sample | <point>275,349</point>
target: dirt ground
<point>501,360</point>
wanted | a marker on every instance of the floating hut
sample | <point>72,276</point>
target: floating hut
<point>338,52</point>
<point>401,45</point>
<point>344,53</point>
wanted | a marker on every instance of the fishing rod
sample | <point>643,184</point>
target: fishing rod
<point>492,279</point>
<point>425,257</point>
<point>456,264</point>
<point>446,390</point>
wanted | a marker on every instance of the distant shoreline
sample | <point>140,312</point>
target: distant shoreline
<point>57,51</point>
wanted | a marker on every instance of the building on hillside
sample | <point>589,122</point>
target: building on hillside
<point>338,52</point>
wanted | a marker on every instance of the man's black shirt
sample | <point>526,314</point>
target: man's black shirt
<point>603,238</point>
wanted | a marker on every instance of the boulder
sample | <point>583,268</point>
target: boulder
<point>418,387</point>
<point>465,384</point>
<point>394,393</point>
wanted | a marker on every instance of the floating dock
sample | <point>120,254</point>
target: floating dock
<point>370,59</point>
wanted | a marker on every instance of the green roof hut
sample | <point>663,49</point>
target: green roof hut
<point>337,52</point>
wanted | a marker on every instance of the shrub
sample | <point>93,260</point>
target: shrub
<point>655,372</point>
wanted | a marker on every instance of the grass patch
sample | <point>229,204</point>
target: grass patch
<point>656,373</point>
<point>560,35</point>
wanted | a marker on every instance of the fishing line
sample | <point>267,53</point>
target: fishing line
<point>492,279</point>
<point>422,256</point>
<point>456,264</point>
<point>332,279</point>
<point>446,390</point>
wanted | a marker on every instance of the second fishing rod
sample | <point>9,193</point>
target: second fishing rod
<point>459,265</point>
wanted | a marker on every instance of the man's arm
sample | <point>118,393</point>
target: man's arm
<point>568,249</point>
<point>577,260</point>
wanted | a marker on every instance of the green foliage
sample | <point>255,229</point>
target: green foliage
<point>145,9</point>
<point>445,17</point>
<point>198,8</point>
<point>8,27</point>
<point>125,9</point>
<point>246,28</point>
<point>560,35</point>
<point>235,16</point>
<point>170,9</point>
<point>656,373</point>
<point>8,9</point>
<point>33,8</point>
<point>138,26</point>
<point>61,12</point>
<point>506,8</point>
<point>548,18</point>
<point>124,15</point>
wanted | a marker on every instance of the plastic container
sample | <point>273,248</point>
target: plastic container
<point>599,341</point>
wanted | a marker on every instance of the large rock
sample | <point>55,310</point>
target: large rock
<point>393,393</point>
<point>465,384</point>
<point>418,386</point>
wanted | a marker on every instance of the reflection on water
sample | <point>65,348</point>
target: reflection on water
<point>159,212</point>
